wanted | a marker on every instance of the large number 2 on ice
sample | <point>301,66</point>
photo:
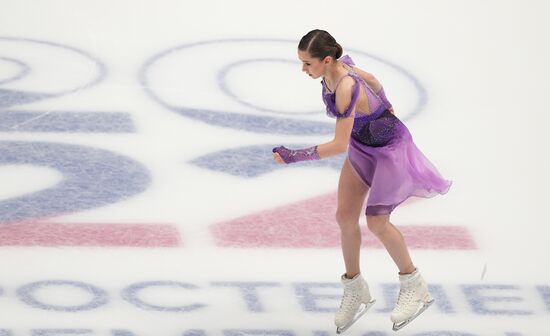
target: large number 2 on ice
<point>91,177</point>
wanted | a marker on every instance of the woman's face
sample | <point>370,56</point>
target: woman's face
<point>313,67</point>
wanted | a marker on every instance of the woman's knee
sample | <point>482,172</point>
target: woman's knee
<point>378,224</point>
<point>347,221</point>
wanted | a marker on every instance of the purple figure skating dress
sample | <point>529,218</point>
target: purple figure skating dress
<point>382,152</point>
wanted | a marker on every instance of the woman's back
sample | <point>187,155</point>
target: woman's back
<point>364,98</point>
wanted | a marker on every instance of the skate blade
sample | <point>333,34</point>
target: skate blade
<point>361,312</point>
<point>401,325</point>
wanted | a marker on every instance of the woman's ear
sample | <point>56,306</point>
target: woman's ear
<point>327,60</point>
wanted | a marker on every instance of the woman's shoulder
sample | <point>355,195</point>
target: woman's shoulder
<point>346,84</point>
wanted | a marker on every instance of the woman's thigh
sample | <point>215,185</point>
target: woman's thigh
<point>351,194</point>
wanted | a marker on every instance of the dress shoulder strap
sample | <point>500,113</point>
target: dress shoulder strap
<point>354,95</point>
<point>340,80</point>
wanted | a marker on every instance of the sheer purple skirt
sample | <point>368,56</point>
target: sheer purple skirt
<point>384,156</point>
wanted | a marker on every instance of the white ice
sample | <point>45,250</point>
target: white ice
<point>484,66</point>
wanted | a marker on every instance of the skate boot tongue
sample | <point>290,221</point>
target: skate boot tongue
<point>409,277</point>
<point>345,277</point>
<point>355,281</point>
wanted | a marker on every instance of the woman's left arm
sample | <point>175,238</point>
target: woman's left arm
<point>344,124</point>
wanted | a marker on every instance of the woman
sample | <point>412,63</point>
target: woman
<point>382,162</point>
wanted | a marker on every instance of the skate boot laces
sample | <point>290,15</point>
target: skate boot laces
<point>350,300</point>
<point>407,295</point>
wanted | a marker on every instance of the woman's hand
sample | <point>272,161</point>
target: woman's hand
<point>278,158</point>
<point>295,155</point>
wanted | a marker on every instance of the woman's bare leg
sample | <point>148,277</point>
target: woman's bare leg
<point>393,240</point>
<point>351,196</point>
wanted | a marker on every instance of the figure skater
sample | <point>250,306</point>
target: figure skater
<point>382,160</point>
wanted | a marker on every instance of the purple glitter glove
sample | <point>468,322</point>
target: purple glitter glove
<point>291,155</point>
<point>382,96</point>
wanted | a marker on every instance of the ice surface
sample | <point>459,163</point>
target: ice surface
<point>139,196</point>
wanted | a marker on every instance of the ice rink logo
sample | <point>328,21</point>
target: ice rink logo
<point>249,301</point>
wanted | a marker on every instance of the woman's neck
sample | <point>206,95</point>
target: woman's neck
<point>335,72</point>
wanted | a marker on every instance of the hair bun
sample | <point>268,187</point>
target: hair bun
<point>339,51</point>
<point>320,44</point>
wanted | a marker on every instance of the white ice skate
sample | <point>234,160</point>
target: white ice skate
<point>413,300</point>
<point>355,302</point>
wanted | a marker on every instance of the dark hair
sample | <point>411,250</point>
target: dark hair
<point>320,44</point>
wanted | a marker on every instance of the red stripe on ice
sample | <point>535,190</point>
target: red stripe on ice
<point>311,224</point>
<point>88,234</point>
